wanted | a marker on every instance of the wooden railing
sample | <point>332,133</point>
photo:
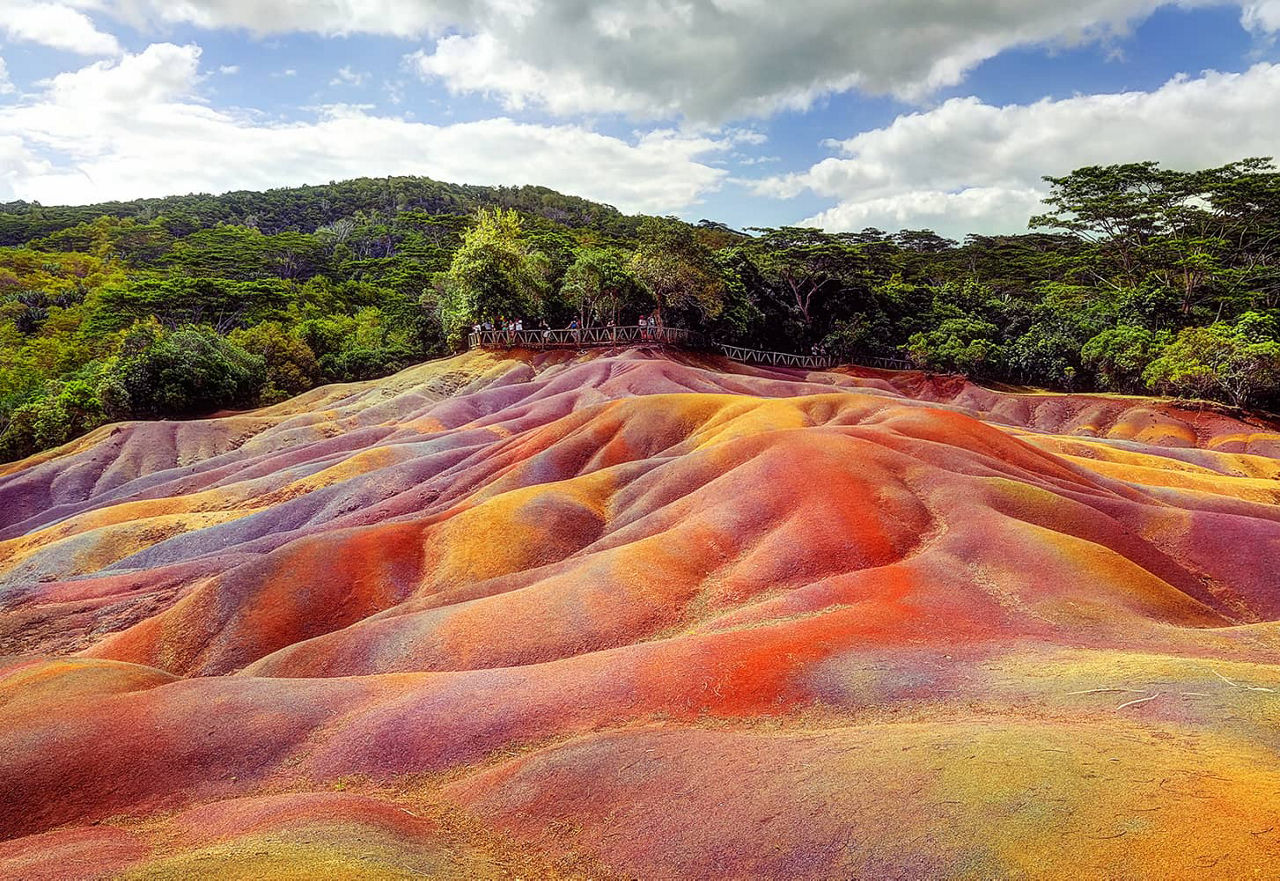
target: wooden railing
<point>601,337</point>
<point>888,363</point>
<point>778,359</point>
<point>585,337</point>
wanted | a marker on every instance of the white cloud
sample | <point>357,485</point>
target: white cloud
<point>401,18</point>
<point>6,84</point>
<point>705,60</point>
<point>480,64</point>
<point>348,77</point>
<point>1261,16</point>
<point>137,127</point>
<point>229,69</point>
<point>713,60</point>
<point>57,25</point>
<point>970,166</point>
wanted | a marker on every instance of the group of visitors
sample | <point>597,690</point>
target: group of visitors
<point>650,327</point>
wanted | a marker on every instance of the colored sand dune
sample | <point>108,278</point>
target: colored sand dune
<point>646,616</point>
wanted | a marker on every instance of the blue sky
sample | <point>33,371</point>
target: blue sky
<point>892,113</point>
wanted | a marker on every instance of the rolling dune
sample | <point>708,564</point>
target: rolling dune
<point>646,615</point>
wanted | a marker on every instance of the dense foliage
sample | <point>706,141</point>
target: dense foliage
<point>1140,279</point>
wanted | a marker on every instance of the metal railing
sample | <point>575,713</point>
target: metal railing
<point>602,337</point>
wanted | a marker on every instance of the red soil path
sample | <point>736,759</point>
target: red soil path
<point>637,615</point>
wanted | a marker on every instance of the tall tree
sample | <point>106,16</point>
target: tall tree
<point>678,270</point>
<point>599,285</point>
<point>810,267</point>
<point>493,275</point>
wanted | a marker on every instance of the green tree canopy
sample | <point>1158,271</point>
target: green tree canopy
<point>677,270</point>
<point>958,345</point>
<point>164,374</point>
<point>600,286</point>
<point>221,303</point>
<point>492,275</point>
<point>1120,355</point>
<point>1240,362</point>
<point>291,366</point>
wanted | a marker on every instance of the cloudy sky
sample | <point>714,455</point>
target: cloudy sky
<point>839,113</point>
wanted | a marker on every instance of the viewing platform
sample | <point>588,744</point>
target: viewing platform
<point>586,338</point>
<point>612,337</point>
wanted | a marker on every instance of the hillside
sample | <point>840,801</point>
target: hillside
<point>307,209</point>
<point>645,615</point>
<point>1141,280</point>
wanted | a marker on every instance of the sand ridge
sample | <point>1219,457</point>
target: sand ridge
<point>646,614</point>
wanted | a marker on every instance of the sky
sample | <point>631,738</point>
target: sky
<point>844,114</point>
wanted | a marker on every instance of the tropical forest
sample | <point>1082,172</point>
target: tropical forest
<point>1136,279</point>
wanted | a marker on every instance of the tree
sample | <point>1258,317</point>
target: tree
<point>1122,354</point>
<point>65,411</point>
<point>291,366</point>
<point>1118,208</point>
<point>599,284</point>
<point>806,264</point>
<point>492,275</point>
<point>163,374</point>
<point>1210,235</point>
<point>678,270</point>
<point>1240,362</point>
<point>221,303</point>
<point>958,345</point>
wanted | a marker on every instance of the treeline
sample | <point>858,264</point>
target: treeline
<point>1140,279</point>
<point>306,209</point>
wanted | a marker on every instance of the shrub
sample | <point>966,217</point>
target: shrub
<point>292,367</point>
<point>186,372</point>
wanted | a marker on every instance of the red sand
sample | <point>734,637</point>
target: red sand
<point>639,615</point>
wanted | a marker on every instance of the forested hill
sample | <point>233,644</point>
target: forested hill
<point>1136,279</point>
<point>307,209</point>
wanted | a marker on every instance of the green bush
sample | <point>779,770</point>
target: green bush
<point>1240,363</point>
<point>958,345</point>
<point>187,372</point>
<point>355,365</point>
<point>1121,355</point>
<point>292,367</point>
<point>66,411</point>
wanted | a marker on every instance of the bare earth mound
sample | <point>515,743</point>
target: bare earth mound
<point>641,615</point>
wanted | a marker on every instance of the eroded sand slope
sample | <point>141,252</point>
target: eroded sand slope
<point>640,615</point>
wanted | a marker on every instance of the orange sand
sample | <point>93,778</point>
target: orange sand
<point>640,615</point>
